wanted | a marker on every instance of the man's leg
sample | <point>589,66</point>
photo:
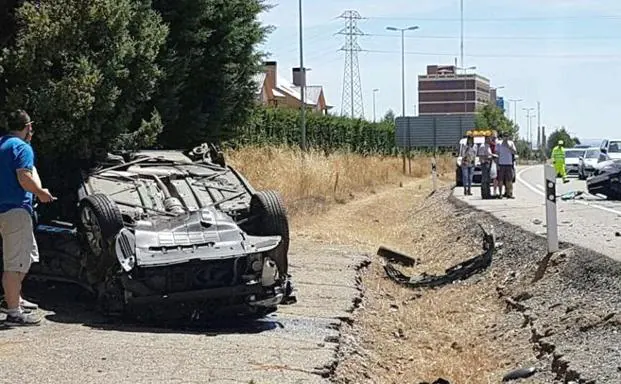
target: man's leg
<point>509,182</point>
<point>17,241</point>
<point>464,178</point>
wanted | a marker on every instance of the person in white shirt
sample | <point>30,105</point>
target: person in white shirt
<point>506,151</point>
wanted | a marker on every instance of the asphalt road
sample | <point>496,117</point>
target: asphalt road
<point>297,345</point>
<point>588,221</point>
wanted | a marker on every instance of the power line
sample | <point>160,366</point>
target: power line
<point>503,19</point>
<point>539,38</point>
<point>352,86</point>
<point>508,55</point>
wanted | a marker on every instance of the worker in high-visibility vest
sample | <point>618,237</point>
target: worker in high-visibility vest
<point>558,159</point>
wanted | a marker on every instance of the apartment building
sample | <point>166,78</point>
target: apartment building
<point>443,91</point>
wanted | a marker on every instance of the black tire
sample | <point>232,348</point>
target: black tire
<point>98,232</point>
<point>272,220</point>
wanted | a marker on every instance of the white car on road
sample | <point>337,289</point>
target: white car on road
<point>612,148</point>
<point>588,162</point>
<point>572,160</point>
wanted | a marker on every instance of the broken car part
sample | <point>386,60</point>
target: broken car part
<point>461,271</point>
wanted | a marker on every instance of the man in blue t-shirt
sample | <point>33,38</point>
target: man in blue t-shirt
<point>20,183</point>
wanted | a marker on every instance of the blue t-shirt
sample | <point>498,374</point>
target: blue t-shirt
<point>15,154</point>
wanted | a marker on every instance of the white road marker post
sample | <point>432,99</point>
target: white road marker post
<point>434,173</point>
<point>551,219</point>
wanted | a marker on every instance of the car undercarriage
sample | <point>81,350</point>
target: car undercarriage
<point>166,234</point>
<point>606,180</point>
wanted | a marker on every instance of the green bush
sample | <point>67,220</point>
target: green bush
<point>273,126</point>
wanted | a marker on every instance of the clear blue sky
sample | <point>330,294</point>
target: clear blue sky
<point>564,53</point>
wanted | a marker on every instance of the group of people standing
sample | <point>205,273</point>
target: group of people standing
<point>496,156</point>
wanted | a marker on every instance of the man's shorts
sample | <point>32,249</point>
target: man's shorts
<point>19,246</point>
<point>505,174</point>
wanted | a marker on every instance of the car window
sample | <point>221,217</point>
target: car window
<point>592,154</point>
<point>573,154</point>
<point>614,147</point>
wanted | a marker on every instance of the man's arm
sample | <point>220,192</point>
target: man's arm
<point>35,176</point>
<point>27,174</point>
<point>513,148</point>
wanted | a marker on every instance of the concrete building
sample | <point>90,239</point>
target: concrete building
<point>443,91</point>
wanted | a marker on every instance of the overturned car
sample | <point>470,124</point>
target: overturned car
<point>162,233</point>
<point>606,180</point>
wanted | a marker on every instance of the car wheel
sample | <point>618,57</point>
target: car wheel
<point>272,220</point>
<point>99,222</point>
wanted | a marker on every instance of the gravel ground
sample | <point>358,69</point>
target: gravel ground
<point>297,345</point>
<point>573,313</point>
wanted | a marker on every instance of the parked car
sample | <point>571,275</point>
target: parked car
<point>169,233</point>
<point>588,162</point>
<point>612,148</point>
<point>606,180</point>
<point>572,160</point>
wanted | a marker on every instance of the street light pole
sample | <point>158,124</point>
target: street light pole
<point>514,101</point>
<point>374,91</point>
<point>466,86</point>
<point>302,84</point>
<point>402,30</point>
<point>528,121</point>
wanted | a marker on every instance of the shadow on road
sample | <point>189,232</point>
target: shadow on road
<point>70,304</point>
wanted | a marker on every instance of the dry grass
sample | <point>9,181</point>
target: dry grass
<point>310,183</point>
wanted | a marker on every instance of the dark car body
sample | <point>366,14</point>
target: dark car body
<point>606,180</point>
<point>166,233</point>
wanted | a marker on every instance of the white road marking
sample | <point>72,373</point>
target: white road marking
<point>541,193</point>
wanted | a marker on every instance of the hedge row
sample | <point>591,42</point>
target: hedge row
<point>277,126</point>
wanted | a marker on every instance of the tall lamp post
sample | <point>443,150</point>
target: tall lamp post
<point>515,101</point>
<point>402,30</point>
<point>464,70</point>
<point>528,120</point>
<point>374,91</point>
<point>302,83</point>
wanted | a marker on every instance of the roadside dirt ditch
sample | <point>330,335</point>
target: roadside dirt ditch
<point>545,319</point>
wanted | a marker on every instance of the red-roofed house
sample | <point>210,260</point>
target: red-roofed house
<point>276,91</point>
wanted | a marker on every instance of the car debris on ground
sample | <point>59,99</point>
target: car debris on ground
<point>459,272</point>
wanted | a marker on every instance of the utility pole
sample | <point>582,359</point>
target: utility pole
<point>352,86</point>
<point>538,125</point>
<point>462,33</point>
<point>374,91</point>
<point>402,30</point>
<point>302,83</point>
<point>529,137</point>
<point>514,101</point>
<point>464,73</point>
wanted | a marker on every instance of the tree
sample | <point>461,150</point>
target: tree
<point>211,59</point>
<point>83,70</point>
<point>389,116</point>
<point>556,136</point>
<point>492,117</point>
